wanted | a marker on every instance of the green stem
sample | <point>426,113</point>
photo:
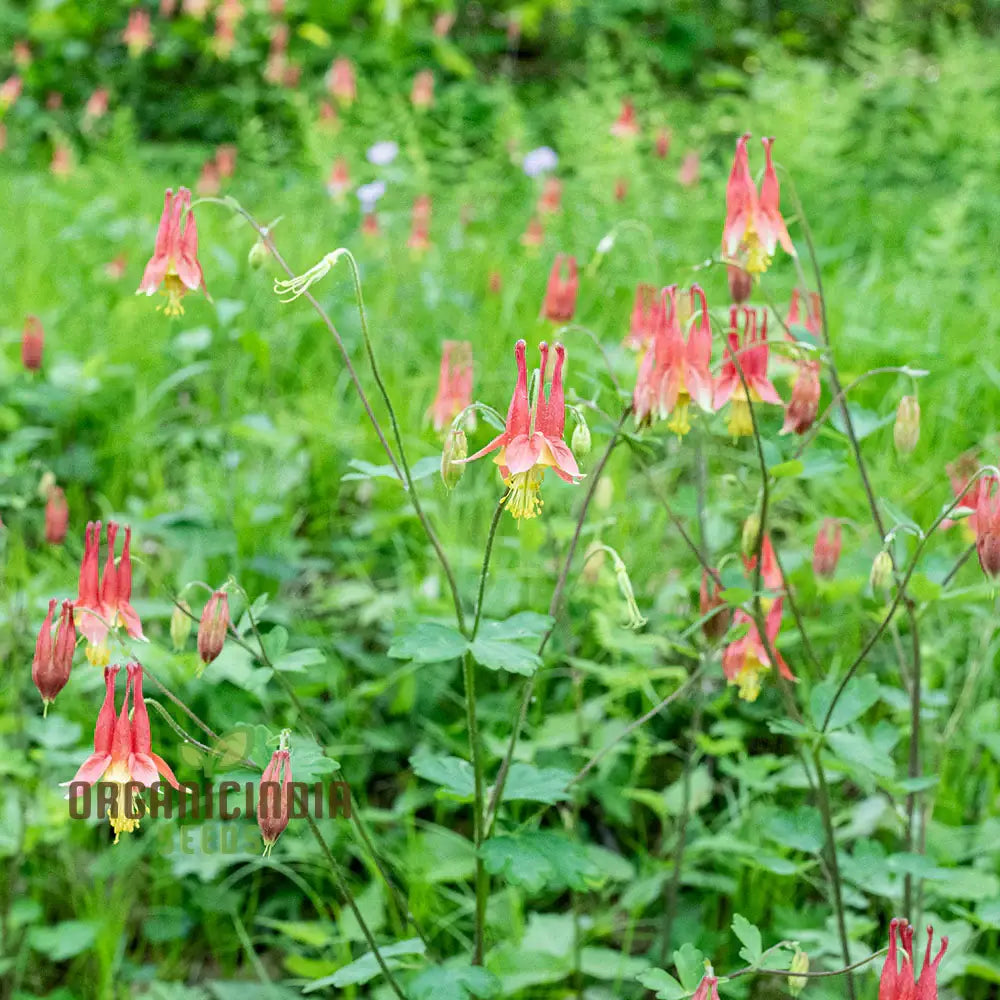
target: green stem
<point>913,770</point>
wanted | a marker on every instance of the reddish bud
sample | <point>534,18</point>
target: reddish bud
<point>272,798</point>
<point>740,283</point>
<point>50,667</point>
<point>987,528</point>
<point>800,413</point>
<point>826,551</point>
<point>662,144</point>
<point>621,189</point>
<point>213,626</point>
<point>56,516</point>
<point>716,626</point>
<point>495,283</point>
<point>32,342</point>
<point>65,640</point>
<point>560,293</point>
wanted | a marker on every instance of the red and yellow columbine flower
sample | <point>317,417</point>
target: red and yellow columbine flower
<point>673,371</point>
<point>985,523</point>
<point>897,979</point>
<point>454,391</point>
<point>342,83</point>
<point>422,93</point>
<point>800,413</point>
<point>103,602</point>
<point>626,125</point>
<point>122,751</point>
<point>560,292</point>
<point>642,323</point>
<point>826,551</point>
<point>746,660</point>
<point>754,225</point>
<point>532,440</point>
<point>174,263</point>
<point>752,352</point>
<point>137,35</point>
<point>340,180</point>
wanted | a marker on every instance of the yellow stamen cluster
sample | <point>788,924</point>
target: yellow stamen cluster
<point>680,421</point>
<point>175,290</point>
<point>117,812</point>
<point>740,422</point>
<point>758,260</point>
<point>522,498</point>
<point>749,677</point>
<point>98,655</point>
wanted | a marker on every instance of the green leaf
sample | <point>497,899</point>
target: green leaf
<point>454,775</point>
<point>534,784</point>
<point>610,965</point>
<point>366,968</point>
<point>749,936</point>
<point>64,940</point>
<point>313,933</point>
<point>859,695</point>
<point>858,750</point>
<point>795,467</point>
<point>523,625</point>
<point>454,983</point>
<point>297,661</point>
<point>540,858</point>
<point>308,761</point>
<point>275,643</point>
<point>690,965</point>
<point>666,987</point>
<point>800,829</point>
<point>428,642</point>
<point>496,654</point>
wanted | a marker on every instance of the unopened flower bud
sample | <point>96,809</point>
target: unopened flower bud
<point>988,533</point>
<point>740,283</point>
<point>48,677</point>
<point>258,255</point>
<point>750,536</point>
<point>180,625</point>
<point>62,657</point>
<point>635,618</point>
<point>826,551</point>
<point>800,963</point>
<point>881,574</point>
<point>32,344</point>
<point>56,516</point>
<point>800,413</point>
<point>456,448</point>
<point>46,485</point>
<point>213,626</point>
<point>906,430</point>
<point>717,625</point>
<point>580,442</point>
<point>272,798</point>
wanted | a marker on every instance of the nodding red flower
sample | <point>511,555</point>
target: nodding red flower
<point>32,343</point>
<point>532,440</point>
<point>534,235</point>
<point>770,574</point>
<point>813,321</point>
<point>745,660</point>
<point>454,392</point>
<point>56,516</point>
<point>621,189</point>
<point>662,144</point>
<point>708,989</point>
<point>495,282</point>
<point>642,324</point>
<point>21,52</point>
<point>626,125</point>
<point>104,732</point>
<point>422,93</point>
<point>754,225</point>
<point>959,473</point>
<point>209,181</point>
<point>137,35</point>
<point>174,263</point>
<point>62,160</point>
<point>213,626</point>
<point>899,970</point>
<point>340,180</point>
<point>690,170</point>
<point>740,283</point>
<point>419,240</point>
<point>560,292</point>
<point>752,353</point>
<point>443,23</point>
<point>272,798</point>
<point>195,8</point>
<point>342,83</point>
<point>800,413</point>
<point>987,525</point>
<point>711,602</point>
<point>369,225</point>
<point>674,372</point>
<point>225,159</point>
<point>10,91</point>
<point>115,269</point>
<point>328,118</point>
<point>550,199</point>
<point>48,675</point>
<point>104,600</point>
<point>97,104</point>
<point>143,764</point>
<point>826,551</point>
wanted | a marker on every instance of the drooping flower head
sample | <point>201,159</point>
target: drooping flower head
<point>104,602</point>
<point>56,516</point>
<point>225,159</point>
<point>675,371</point>
<point>626,125</point>
<point>340,179</point>
<point>213,626</point>
<point>987,525</point>
<point>661,145</point>
<point>551,197</point>
<point>97,105</point>
<point>746,660</point>
<point>898,980</point>
<point>642,321</point>
<point>752,352</point>
<point>532,439</point>
<point>137,35</point>
<point>272,798</point>
<point>826,551</point>
<point>689,172</point>
<point>32,343</point>
<point>754,225</point>
<point>454,392</point>
<point>341,82</point>
<point>560,292</point>
<point>420,240</point>
<point>800,413</point>
<point>10,91</point>
<point>534,235</point>
<point>174,263</point>
<point>422,93</point>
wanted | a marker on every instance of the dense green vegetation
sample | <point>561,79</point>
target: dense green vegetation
<point>233,442</point>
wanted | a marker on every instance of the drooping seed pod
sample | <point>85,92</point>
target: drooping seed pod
<point>455,449</point>
<point>213,626</point>
<point>580,442</point>
<point>272,798</point>
<point>906,430</point>
<point>881,575</point>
